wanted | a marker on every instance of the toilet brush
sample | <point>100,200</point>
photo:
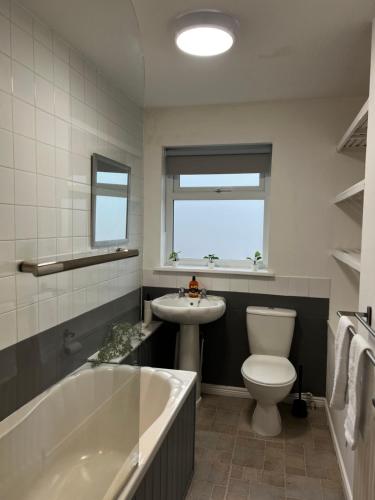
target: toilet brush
<point>299,408</point>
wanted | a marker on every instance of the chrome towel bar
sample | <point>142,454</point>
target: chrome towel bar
<point>45,268</point>
<point>365,319</point>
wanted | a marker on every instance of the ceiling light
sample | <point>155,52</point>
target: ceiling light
<point>205,33</point>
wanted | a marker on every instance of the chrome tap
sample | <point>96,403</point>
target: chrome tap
<point>181,292</point>
<point>203,293</point>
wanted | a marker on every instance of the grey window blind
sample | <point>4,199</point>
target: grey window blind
<point>218,159</point>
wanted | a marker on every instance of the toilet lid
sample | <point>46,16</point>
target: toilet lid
<point>268,370</point>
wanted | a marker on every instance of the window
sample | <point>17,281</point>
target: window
<point>216,201</point>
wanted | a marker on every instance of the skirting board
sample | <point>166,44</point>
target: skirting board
<point>347,488</point>
<point>242,392</point>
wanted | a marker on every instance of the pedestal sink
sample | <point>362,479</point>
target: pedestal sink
<point>190,313</point>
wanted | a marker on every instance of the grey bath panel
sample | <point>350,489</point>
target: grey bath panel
<point>170,473</point>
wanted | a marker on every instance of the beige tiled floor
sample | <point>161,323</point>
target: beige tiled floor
<point>233,463</point>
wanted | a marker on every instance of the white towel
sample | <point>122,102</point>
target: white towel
<point>356,357</point>
<point>340,379</point>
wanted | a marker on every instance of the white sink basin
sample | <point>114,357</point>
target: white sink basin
<point>188,311</point>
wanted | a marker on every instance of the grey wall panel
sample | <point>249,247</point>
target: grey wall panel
<point>169,475</point>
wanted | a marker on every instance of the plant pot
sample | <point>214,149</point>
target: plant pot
<point>174,263</point>
<point>211,265</point>
<point>260,265</point>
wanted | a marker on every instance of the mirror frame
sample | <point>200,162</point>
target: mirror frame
<point>102,163</point>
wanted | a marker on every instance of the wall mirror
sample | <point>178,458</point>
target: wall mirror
<point>110,190</point>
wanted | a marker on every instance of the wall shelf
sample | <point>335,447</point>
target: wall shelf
<point>351,258</point>
<point>355,137</point>
<point>45,268</point>
<point>354,193</point>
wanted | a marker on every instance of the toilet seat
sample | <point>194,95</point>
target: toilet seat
<point>266,370</point>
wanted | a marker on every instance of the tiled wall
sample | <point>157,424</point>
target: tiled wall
<point>279,285</point>
<point>56,109</point>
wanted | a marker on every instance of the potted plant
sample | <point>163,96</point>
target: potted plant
<point>256,261</point>
<point>211,260</point>
<point>174,258</point>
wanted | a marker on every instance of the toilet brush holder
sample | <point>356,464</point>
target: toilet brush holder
<point>299,407</point>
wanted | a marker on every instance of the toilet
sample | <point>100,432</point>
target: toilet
<point>268,374</point>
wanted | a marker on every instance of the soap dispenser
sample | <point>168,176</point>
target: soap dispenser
<point>193,288</point>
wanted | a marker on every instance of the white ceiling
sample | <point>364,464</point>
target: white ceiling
<point>286,49</point>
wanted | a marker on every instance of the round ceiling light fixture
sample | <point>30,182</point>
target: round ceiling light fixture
<point>205,33</point>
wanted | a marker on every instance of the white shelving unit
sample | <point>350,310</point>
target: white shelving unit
<point>351,258</point>
<point>356,135</point>
<point>355,193</point>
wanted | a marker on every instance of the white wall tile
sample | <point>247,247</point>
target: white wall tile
<point>62,104</point>
<point>23,118</point>
<point>26,250</point>
<point>79,302</point>
<point>61,74</point>
<point>43,34</point>
<point>8,329</point>
<point>64,193</point>
<point>63,164</point>
<point>6,185</point>
<point>47,314</point>
<point>60,48</point>
<point>6,148</point>
<point>81,221</point>
<point>7,222</point>
<point>81,169</point>
<point>4,35</point>
<point>43,61</point>
<point>23,82</point>
<point>64,282</point>
<point>26,222</point>
<point>63,134</point>
<point>81,196</point>
<point>24,153</point>
<point>64,307</point>
<point>5,8</point>
<point>65,246</point>
<point>25,188</point>
<point>47,287</point>
<point>21,17</point>
<point>22,46</point>
<point>47,248</point>
<point>77,85</point>
<point>64,223</point>
<point>90,72</point>
<point>90,94</point>
<point>7,294</point>
<point>46,222</point>
<point>45,159</point>
<point>320,287</point>
<point>7,258</point>
<point>27,289</point>
<point>165,280</point>
<point>46,193</point>
<point>76,60</point>
<point>220,284</point>
<point>27,322</point>
<point>299,287</point>
<point>239,284</point>
<point>45,127</point>
<point>5,73</point>
<point>6,120</point>
<point>44,95</point>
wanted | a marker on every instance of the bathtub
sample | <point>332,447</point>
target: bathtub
<point>79,439</point>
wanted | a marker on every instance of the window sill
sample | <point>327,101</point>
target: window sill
<point>261,273</point>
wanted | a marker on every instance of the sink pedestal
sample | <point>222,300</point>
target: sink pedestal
<point>189,352</point>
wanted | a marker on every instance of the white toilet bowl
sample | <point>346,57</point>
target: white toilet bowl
<point>269,380</point>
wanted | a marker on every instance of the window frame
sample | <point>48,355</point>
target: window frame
<point>173,192</point>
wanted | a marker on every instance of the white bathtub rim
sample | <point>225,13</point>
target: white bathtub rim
<point>21,414</point>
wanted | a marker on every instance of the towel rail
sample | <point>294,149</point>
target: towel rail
<point>365,320</point>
